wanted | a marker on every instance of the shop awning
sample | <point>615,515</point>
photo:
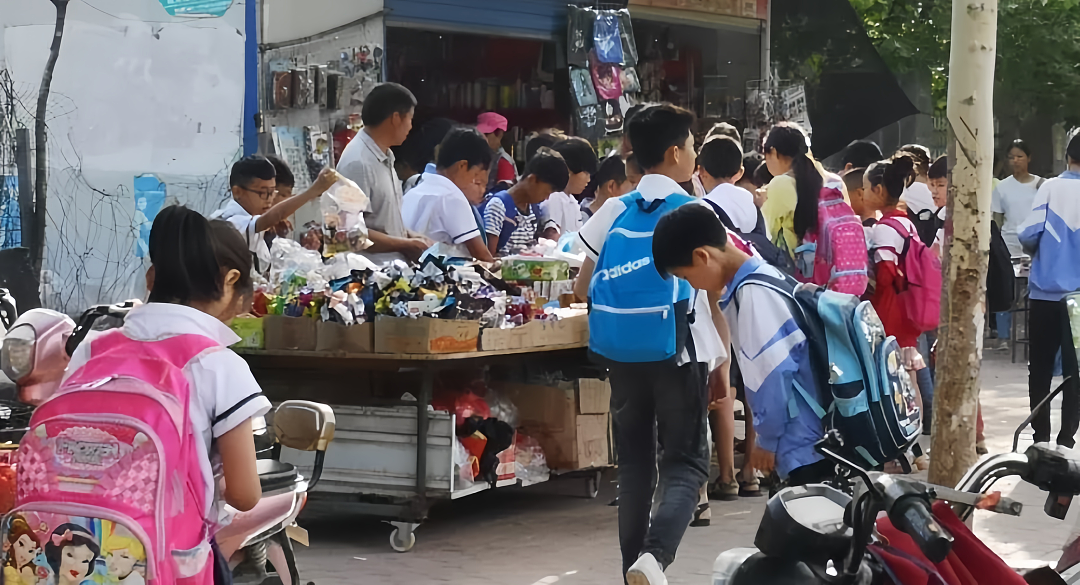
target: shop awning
<point>536,19</point>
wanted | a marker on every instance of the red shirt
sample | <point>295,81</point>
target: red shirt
<point>889,283</point>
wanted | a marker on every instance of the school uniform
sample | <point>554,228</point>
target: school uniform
<point>772,354</point>
<point>224,395</point>
<point>1051,234</point>
<point>738,204</point>
<point>437,208</point>
<point>561,211</point>
<point>245,223</point>
<point>670,397</point>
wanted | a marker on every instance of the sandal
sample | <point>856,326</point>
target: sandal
<point>750,489</point>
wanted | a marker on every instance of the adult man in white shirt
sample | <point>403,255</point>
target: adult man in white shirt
<point>441,204</point>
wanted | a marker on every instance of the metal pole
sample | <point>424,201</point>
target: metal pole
<point>26,187</point>
<point>766,44</point>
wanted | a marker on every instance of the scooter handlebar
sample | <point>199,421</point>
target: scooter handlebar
<point>912,515</point>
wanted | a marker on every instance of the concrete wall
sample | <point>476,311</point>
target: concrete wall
<point>136,91</point>
<point>288,20</point>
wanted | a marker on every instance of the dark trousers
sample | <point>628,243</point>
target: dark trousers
<point>1049,331</point>
<point>669,403</point>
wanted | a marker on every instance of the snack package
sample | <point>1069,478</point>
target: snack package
<point>343,208</point>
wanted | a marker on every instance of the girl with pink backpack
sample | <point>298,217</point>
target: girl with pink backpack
<point>907,290</point>
<point>120,474</point>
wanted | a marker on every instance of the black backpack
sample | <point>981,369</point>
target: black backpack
<point>759,239</point>
<point>1000,278</point>
<point>927,223</point>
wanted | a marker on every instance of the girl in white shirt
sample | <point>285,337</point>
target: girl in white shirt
<point>1012,199</point>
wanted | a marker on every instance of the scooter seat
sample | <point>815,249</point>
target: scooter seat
<point>275,475</point>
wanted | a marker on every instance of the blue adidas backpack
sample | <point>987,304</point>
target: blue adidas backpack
<point>863,390</point>
<point>635,314</point>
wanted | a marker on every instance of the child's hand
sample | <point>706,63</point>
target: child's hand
<point>719,386</point>
<point>326,179</point>
<point>762,460</point>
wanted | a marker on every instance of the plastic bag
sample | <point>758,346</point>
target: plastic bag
<point>606,77</point>
<point>465,465</point>
<point>343,207</point>
<point>530,464</point>
<point>606,36</point>
<point>502,407</point>
<point>293,266</point>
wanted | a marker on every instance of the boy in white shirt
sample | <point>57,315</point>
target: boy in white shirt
<point>720,167</point>
<point>252,210</point>
<point>562,211</point>
<point>441,204</point>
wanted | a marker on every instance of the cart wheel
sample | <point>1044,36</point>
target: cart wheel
<point>402,545</point>
<point>592,485</point>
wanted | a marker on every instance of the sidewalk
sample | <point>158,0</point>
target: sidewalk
<point>548,534</point>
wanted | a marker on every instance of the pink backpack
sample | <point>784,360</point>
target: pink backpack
<point>110,466</point>
<point>835,255</point>
<point>921,300</point>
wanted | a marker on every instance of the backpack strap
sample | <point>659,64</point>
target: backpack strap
<point>509,218</point>
<point>900,229</point>
<point>724,218</point>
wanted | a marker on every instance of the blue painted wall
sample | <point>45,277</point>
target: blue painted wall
<point>251,76</point>
<point>544,18</point>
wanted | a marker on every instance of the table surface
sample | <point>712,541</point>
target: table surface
<point>403,357</point>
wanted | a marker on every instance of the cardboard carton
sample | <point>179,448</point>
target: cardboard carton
<point>574,330</point>
<point>550,415</point>
<point>594,396</point>
<point>250,331</point>
<point>336,337</point>
<point>282,332</point>
<point>425,335</point>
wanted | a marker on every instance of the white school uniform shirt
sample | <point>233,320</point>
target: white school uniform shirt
<point>592,235</point>
<point>887,243</point>
<point>223,395</point>
<point>562,211</point>
<point>437,208</point>
<point>1014,199</point>
<point>738,204</point>
<point>245,223</point>
<point>918,197</point>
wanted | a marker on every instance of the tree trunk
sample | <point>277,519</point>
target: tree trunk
<point>970,113</point>
<point>41,157</point>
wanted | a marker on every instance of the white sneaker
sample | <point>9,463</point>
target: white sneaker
<point>646,571</point>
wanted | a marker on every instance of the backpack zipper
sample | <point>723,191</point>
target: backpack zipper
<point>634,311</point>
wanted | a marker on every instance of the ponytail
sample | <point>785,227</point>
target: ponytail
<point>790,140</point>
<point>894,175</point>
<point>190,256</point>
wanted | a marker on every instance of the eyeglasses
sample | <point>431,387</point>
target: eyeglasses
<point>265,194</point>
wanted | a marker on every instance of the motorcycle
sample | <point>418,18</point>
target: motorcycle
<point>35,353</point>
<point>821,534</point>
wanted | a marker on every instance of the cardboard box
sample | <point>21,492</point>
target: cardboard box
<point>283,332</point>
<point>250,330</point>
<point>332,336</point>
<point>569,440</point>
<point>574,330</point>
<point>594,396</point>
<point>425,335</point>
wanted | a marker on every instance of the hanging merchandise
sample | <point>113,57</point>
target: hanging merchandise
<point>582,85</point>
<point>591,123</point>
<point>630,82</point>
<point>303,87</point>
<point>579,35</point>
<point>606,36</point>
<point>629,44</point>
<point>281,84</point>
<point>606,78</point>
<point>318,76</point>
<point>343,208</point>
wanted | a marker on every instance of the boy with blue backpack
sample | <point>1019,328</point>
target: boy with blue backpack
<point>512,217</point>
<point>657,337</point>
<point>811,359</point>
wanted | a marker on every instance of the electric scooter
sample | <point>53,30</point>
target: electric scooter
<point>35,353</point>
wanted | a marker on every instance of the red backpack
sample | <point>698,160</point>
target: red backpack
<point>920,301</point>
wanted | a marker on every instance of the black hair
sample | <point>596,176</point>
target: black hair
<point>384,101</point>
<point>578,154</point>
<point>683,230</point>
<point>1073,151</point>
<point>75,536</point>
<point>251,167</point>
<point>750,162</point>
<point>861,153</point>
<point>465,143</point>
<point>920,156</point>
<point>894,174</point>
<point>190,256</point>
<point>282,173</point>
<point>853,179</point>
<point>655,129</point>
<point>635,110</point>
<point>940,168</point>
<point>721,157</point>
<point>1021,145</point>
<point>723,129</point>
<point>419,146</point>
<point>790,140</point>
<point>548,167</point>
<point>632,162</point>
<point>762,176</point>
<point>541,140</point>
<point>611,169</point>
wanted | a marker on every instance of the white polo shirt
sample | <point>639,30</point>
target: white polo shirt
<point>594,233</point>
<point>562,211</point>
<point>738,204</point>
<point>224,393</point>
<point>245,223</point>
<point>437,208</point>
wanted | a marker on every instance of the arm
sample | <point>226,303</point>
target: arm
<point>999,218</point>
<point>410,247</point>
<point>283,210</point>
<point>237,448</point>
<point>584,277</point>
<point>1032,229</point>
<point>724,384</point>
<point>479,250</point>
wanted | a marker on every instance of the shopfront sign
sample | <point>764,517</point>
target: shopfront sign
<point>196,7</point>
<point>744,8</point>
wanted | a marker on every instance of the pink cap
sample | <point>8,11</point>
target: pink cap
<point>489,122</point>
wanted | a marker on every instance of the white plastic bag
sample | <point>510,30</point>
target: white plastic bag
<point>343,207</point>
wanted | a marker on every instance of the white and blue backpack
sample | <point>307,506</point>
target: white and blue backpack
<point>635,314</point>
<point>863,391</point>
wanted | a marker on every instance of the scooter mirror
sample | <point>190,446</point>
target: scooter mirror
<point>303,425</point>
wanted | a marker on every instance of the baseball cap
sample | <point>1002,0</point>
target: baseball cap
<point>489,122</point>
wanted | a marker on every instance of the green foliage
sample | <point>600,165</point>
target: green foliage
<point>1038,50</point>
